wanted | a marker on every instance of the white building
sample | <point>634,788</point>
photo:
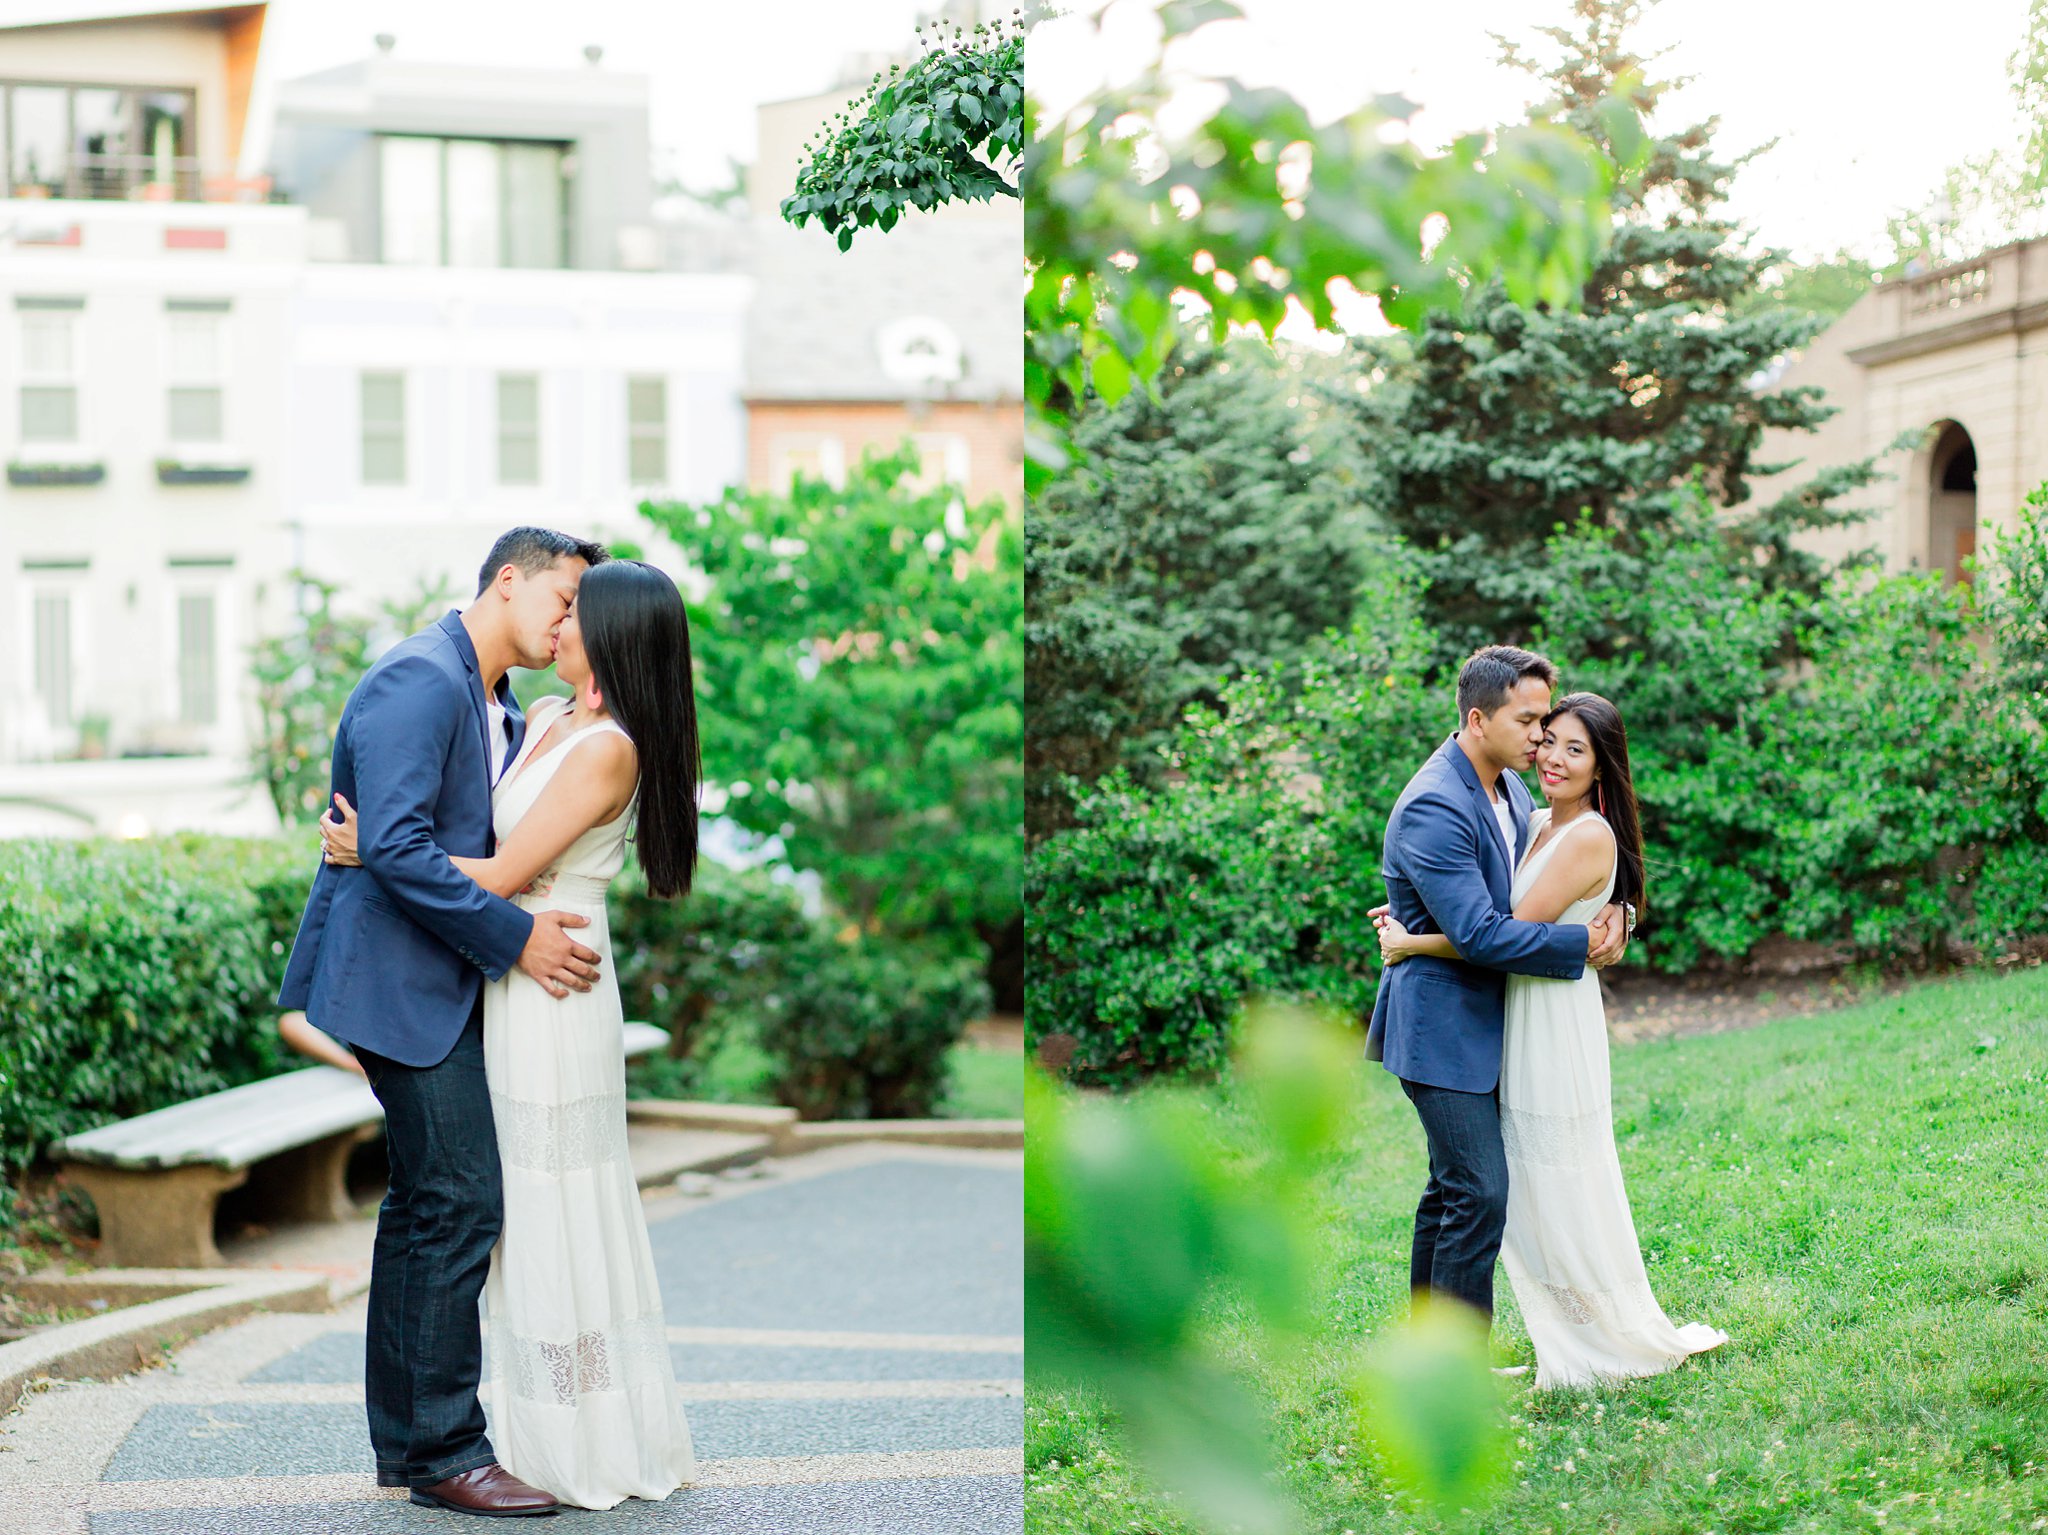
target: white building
<point>439,335</point>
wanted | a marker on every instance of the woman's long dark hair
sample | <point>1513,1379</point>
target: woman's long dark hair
<point>637,636</point>
<point>1614,792</point>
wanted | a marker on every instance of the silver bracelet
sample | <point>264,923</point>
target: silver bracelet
<point>1628,908</point>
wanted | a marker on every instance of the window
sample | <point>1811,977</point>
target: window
<point>534,211</point>
<point>647,431</point>
<point>102,141</point>
<point>49,370</point>
<point>97,140</point>
<point>38,126</point>
<point>51,617</point>
<point>919,350</point>
<point>811,454</point>
<point>518,429</point>
<point>197,371</point>
<point>475,234</point>
<point>165,136</point>
<point>383,428</point>
<point>411,202</point>
<point>473,202</point>
<point>941,459</point>
<point>198,702</point>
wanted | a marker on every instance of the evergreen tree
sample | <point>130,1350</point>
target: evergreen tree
<point>1500,421</point>
<point>1215,531</point>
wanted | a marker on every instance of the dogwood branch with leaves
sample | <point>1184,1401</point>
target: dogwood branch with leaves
<point>1260,207</point>
<point>939,131</point>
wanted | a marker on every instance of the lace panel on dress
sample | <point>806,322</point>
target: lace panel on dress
<point>560,1137</point>
<point>616,1358</point>
<point>1555,1140</point>
<point>1634,1299</point>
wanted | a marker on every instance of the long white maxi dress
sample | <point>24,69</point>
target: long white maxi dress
<point>1570,1248</point>
<point>583,1401</point>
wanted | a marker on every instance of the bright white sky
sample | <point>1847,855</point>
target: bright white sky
<point>709,64</point>
<point>1869,103</point>
<point>1868,107</point>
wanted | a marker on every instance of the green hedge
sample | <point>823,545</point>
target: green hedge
<point>861,1030</point>
<point>1866,772</point>
<point>139,974</point>
<point>701,966</point>
<point>856,1030</point>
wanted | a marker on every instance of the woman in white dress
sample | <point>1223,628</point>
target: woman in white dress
<point>583,1399</point>
<point>1570,1246</point>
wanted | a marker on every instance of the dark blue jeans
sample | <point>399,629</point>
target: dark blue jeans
<point>1464,1209</point>
<point>435,1233</point>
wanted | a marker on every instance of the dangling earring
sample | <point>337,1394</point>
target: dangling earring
<point>592,699</point>
<point>1599,798</point>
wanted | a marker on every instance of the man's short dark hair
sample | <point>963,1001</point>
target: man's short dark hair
<point>534,550</point>
<point>1489,675</point>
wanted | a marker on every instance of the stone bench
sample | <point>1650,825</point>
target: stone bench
<point>156,1179</point>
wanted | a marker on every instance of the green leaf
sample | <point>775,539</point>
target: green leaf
<point>1622,124</point>
<point>1110,374</point>
<point>1430,1405</point>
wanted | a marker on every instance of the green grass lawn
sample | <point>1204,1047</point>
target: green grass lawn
<point>1859,1197</point>
<point>983,1084</point>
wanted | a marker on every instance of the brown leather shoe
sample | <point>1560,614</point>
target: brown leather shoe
<point>489,1490</point>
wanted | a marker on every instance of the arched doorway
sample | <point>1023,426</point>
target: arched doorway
<point>1951,502</point>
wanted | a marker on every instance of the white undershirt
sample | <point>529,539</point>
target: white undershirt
<point>1506,816</point>
<point>497,713</point>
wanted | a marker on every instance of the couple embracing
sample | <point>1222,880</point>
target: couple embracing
<point>455,940</point>
<point>1489,1012</point>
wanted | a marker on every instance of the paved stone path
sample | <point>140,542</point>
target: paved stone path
<point>847,1331</point>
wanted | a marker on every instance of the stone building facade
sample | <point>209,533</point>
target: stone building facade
<point>1957,358</point>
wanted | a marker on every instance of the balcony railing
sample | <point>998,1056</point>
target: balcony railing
<point>142,178</point>
<point>1947,291</point>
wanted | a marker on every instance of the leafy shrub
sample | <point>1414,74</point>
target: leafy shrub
<point>2016,602</point>
<point>861,1030</point>
<point>702,964</point>
<point>141,974</point>
<point>144,974</point>
<point>1155,916</point>
<point>1831,769</point>
<point>1857,770</point>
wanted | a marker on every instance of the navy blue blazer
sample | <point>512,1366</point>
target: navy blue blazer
<point>1439,1021</point>
<point>391,956</point>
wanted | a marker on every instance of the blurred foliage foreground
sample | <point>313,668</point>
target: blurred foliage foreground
<point>1215,1278</point>
<point>1142,1214</point>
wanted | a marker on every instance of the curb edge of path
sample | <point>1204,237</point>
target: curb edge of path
<point>126,1340</point>
<point>787,1135</point>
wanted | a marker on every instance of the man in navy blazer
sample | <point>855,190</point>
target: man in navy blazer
<point>1453,842</point>
<point>391,959</point>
